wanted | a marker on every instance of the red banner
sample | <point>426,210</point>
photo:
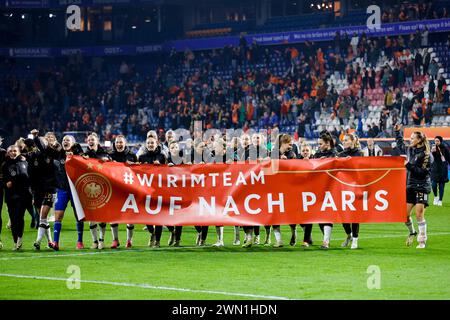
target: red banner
<point>277,192</point>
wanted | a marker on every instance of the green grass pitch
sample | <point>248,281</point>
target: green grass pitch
<point>233,272</point>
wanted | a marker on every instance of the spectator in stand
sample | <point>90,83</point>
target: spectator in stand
<point>405,109</point>
<point>424,42</point>
<point>417,113</point>
<point>372,149</point>
<point>431,88</point>
<point>433,69</point>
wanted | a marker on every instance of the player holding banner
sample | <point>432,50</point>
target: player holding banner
<point>351,149</point>
<point>95,151</point>
<point>305,154</point>
<point>121,153</point>
<point>326,150</point>
<point>418,183</point>
<point>153,155</point>
<point>63,192</point>
<point>283,150</point>
<point>175,158</point>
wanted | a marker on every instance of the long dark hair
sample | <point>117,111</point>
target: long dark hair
<point>327,137</point>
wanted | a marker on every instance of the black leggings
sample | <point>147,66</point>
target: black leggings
<point>307,235</point>
<point>352,228</point>
<point>16,210</point>
<point>203,230</point>
<point>150,228</point>
<point>441,189</point>
<point>178,231</point>
<point>255,230</point>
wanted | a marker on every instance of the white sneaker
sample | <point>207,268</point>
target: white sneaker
<point>267,241</point>
<point>151,241</point>
<point>218,244</point>
<point>410,239</point>
<point>19,243</point>
<point>421,245</point>
<point>439,204</point>
<point>236,242</point>
<point>354,243</point>
<point>325,245</point>
<point>346,242</point>
<point>435,201</point>
<point>199,238</point>
<point>293,241</point>
<point>94,245</point>
<point>171,239</point>
<point>248,243</point>
<point>278,244</point>
<point>101,245</point>
<point>256,240</point>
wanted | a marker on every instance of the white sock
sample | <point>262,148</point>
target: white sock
<point>423,230</point>
<point>219,231</point>
<point>326,233</point>
<point>277,233</point>
<point>48,234</point>
<point>236,234</point>
<point>410,226</point>
<point>249,236</point>
<point>41,230</point>
<point>129,233</point>
<point>115,232</point>
<point>93,231</point>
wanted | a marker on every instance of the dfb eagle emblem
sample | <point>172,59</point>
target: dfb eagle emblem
<point>93,190</point>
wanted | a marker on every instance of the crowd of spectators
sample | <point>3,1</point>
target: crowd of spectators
<point>410,11</point>
<point>234,87</point>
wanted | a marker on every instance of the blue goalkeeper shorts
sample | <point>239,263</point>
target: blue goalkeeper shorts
<point>62,199</point>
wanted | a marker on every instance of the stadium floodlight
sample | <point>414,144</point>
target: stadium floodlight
<point>23,16</point>
<point>51,15</point>
<point>133,27</point>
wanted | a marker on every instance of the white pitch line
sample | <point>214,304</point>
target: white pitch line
<point>37,256</point>
<point>148,286</point>
<point>179,248</point>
